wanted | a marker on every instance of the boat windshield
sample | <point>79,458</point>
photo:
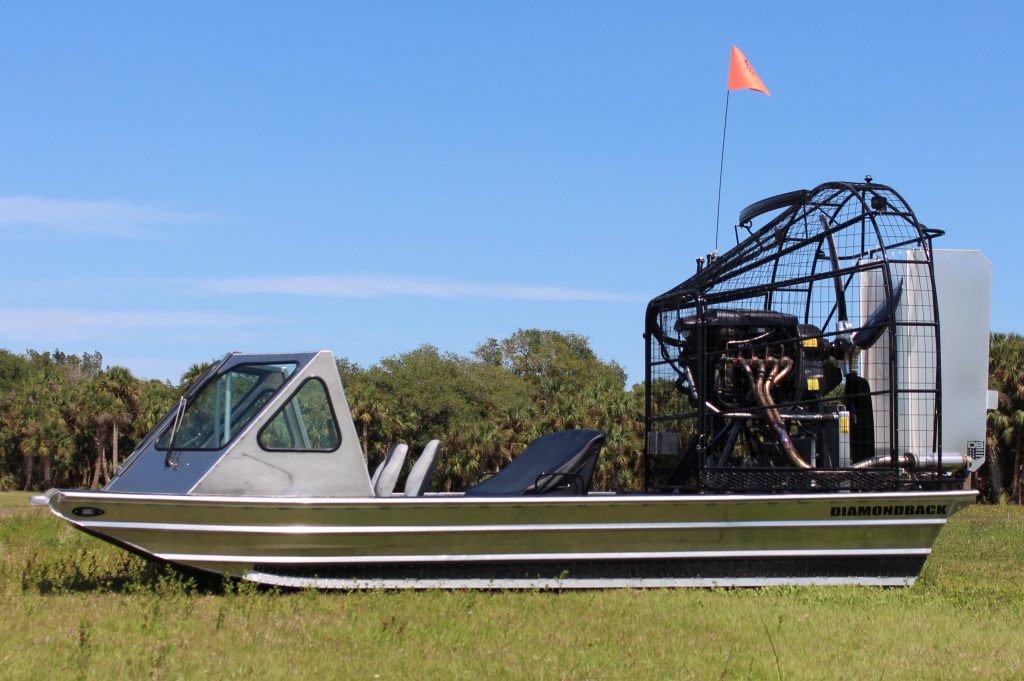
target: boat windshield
<point>226,405</point>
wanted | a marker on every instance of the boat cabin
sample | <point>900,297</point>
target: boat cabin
<point>280,425</point>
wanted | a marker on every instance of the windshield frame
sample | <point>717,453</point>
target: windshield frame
<point>248,404</point>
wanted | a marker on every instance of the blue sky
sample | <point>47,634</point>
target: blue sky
<point>184,179</point>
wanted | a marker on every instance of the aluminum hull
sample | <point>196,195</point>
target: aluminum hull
<point>593,541</point>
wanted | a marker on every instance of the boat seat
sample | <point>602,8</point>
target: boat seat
<point>418,480</point>
<point>557,463</point>
<point>386,475</point>
<point>380,466</point>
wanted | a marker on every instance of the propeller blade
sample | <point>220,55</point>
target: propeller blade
<point>878,321</point>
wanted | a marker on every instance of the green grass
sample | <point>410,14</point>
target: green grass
<point>15,500</point>
<point>74,607</point>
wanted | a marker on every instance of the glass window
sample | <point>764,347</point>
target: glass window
<point>305,423</point>
<point>226,405</point>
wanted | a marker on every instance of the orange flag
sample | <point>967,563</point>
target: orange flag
<point>742,75</point>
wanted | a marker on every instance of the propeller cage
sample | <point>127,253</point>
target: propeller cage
<point>805,358</point>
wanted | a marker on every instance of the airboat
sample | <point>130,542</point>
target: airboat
<point>807,423</point>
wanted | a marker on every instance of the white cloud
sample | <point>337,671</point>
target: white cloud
<point>66,323</point>
<point>378,286</point>
<point>121,218</point>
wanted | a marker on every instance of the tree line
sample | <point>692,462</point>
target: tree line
<point>67,421</point>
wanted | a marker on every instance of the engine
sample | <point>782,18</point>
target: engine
<point>763,376</point>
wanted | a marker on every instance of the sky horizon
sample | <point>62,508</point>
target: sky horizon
<point>178,182</point>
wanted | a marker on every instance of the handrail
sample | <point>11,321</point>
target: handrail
<point>773,203</point>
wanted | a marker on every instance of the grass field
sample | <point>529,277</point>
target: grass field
<point>74,607</point>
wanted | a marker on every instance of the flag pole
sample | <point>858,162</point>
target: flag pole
<point>741,77</point>
<point>721,167</point>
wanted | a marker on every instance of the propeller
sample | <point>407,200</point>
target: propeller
<point>846,343</point>
<point>877,323</point>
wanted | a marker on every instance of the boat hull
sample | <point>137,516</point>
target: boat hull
<point>595,541</point>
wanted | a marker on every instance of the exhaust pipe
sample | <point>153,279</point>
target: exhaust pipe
<point>951,461</point>
<point>762,392</point>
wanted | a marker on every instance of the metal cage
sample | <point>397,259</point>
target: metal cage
<point>804,359</point>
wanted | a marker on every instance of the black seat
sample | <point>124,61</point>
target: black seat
<point>556,463</point>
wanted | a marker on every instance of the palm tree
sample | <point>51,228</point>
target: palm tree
<point>31,407</point>
<point>56,445</point>
<point>363,414</point>
<point>992,470</point>
<point>1006,375</point>
<point>155,399</point>
<point>8,439</point>
<point>100,411</point>
<point>192,374</point>
<point>32,447</point>
<point>477,450</point>
<point>119,383</point>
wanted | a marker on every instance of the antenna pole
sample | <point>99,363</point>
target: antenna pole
<point>721,167</point>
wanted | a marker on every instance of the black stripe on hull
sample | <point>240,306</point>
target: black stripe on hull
<point>888,566</point>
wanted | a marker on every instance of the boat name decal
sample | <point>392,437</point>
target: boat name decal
<point>909,509</point>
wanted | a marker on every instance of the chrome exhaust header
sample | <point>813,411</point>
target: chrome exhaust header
<point>949,461</point>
